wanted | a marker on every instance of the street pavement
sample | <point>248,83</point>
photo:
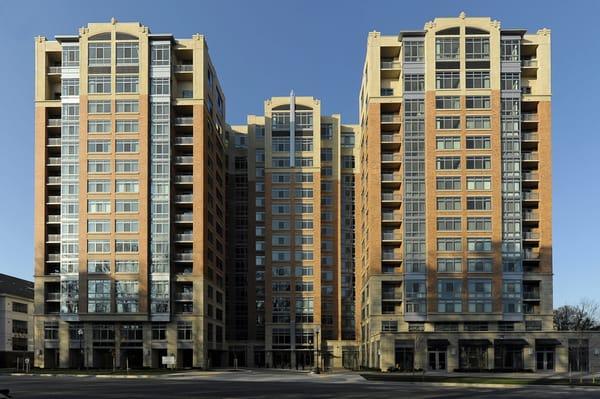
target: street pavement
<point>265,384</point>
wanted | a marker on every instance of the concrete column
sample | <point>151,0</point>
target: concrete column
<point>388,352</point>
<point>147,345</point>
<point>250,355</point>
<point>490,359</point>
<point>172,341</point>
<point>529,357</point>
<point>452,354</point>
<point>117,351</point>
<point>88,352</point>
<point>64,343</point>
<point>38,339</point>
<point>561,358</point>
<point>200,356</point>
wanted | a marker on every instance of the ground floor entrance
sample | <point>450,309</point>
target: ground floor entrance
<point>473,355</point>
<point>404,355</point>
<point>305,359</point>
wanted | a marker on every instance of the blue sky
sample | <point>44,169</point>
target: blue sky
<point>266,48</point>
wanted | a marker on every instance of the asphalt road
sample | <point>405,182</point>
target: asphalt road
<point>264,385</point>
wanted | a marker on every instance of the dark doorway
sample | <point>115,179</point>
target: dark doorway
<point>51,358</point>
<point>544,358</point>
<point>103,358</point>
<point>185,358</point>
<point>305,359</point>
<point>132,358</point>
<point>157,355</point>
<point>404,355</point>
<point>508,357</point>
<point>282,359</point>
<point>579,355</point>
<point>473,355</point>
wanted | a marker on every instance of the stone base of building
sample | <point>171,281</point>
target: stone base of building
<point>540,351</point>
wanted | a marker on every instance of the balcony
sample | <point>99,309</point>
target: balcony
<point>391,118</point>
<point>184,140</point>
<point>391,296</point>
<point>391,236</point>
<point>386,91</point>
<point>531,63</point>
<point>53,180</point>
<point>184,179</point>
<point>531,295</point>
<point>184,257</point>
<point>184,237</point>
<point>53,219</point>
<point>54,200</point>
<point>390,64</point>
<point>53,238</point>
<point>53,161</point>
<point>525,89</point>
<point>391,196</point>
<point>54,142</point>
<point>391,157</point>
<point>530,196</point>
<point>184,160</point>
<point>184,198</point>
<point>391,177</point>
<point>531,255</point>
<point>54,122</point>
<point>531,176</point>
<point>52,296</point>
<point>391,216</point>
<point>54,70</point>
<point>391,256</point>
<point>531,236</point>
<point>530,137</point>
<point>529,117</point>
<point>184,120</point>
<point>531,216</point>
<point>184,296</point>
<point>183,68</point>
<point>184,217</point>
<point>53,258</point>
<point>391,138</point>
<point>530,156</point>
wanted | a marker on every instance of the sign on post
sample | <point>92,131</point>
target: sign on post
<point>168,360</point>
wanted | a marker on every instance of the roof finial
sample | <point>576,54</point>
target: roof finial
<point>113,20</point>
<point>462,15</point>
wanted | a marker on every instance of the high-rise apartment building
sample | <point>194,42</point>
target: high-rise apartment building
<point>129,200</point>
<point>454,196</point>
<point>291,262</point>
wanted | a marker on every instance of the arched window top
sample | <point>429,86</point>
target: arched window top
<point>126,36</point>
<point>284,107</point>
<point>300,107</point>
<point>448,31</point>
<point>100,36</point>
<point>475,31</point>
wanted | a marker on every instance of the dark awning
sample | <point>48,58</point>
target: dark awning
<point>438,342</point>
<point>475,342</point>
<point>548,341</point>
<point>511,341</point>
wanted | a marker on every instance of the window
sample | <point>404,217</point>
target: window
<point>51,330</point>
<point>127,226</point>
<point>447,122</point>
<point>348,139</point>
<point>303,144</point>
<point>70,56</point>
<point>98,226</point>
<point>127,166</point>
<point>479,265</point>
<point>510,81</point>
<point>126,292</point>
<point>98,106</point>
<point>98,84</point>
<point>478,142</point>
<point>326,154</point>
<point>99,54</point>
<point>414,82</point>
<point>19,327</point>
<point>184,330</point>
<point>304,286</point>
<point>98,206</point>
<point>127,53</point>
<point>478,122</point>
<point>479,224</point>
<point>449,296</point>
<point>510,49</point>
<point>447,102</point>
<point>99,126</point>
<point>389,325</point>
<point>447,49</point>
<point>122,246</point>
<point>99,296</point>
<point>479,203</point>
<point>448,203</point>
<point>478,102</point>
<point>448,223</point>
<point>128,106</point>
<point>128,126</point>
<point>304,239</point>
<point>479,162</point>
<point>449,265</point>
<point>304,224</point>
<point>127,186</point>
<point>477,48</point>
<point>280,162</point>
<point>447,163</point>
<point>478,79</point>
<point>70,87</point>
<point>19,307</point>
<point>127,84</point>
<point>479,183</point>
<point>447,80</point>
<point>98,166</point>
<point>160,86</point>
<point>479,244</point>
<point>127,205</point>
<point>476,326</point>
<point>326,131</point>
<point>304,192</point>
<point>447,183</point>
<point>448,142</point>
<point>160,54</point>
<point>98,266</point>
<point>98,186</point>
<point>348,161</point>
<point>98,246</point>
<point>449,244</point>
<point>98,146</point>
<point>304,119</point>
<point>414,51</point>
<point>127,146</point>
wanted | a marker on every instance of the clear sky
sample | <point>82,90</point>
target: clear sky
<point>266,48</point>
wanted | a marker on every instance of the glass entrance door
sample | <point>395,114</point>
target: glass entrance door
<point>545,359</point>
<point>437,360</point>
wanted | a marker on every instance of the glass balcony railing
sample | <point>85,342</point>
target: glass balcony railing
<point>529,116</point>
<point>391,118</point>
<point>184,120</point>
<point>184,159</point>
<point>184,140</point>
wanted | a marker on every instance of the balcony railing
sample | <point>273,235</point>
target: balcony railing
<point>184,120</point>
<point>530,156</point>
<point>531,255</point>
<point>53,218</point>
<point>390,64</point>
<point>391,216</point>
<point>391,295</point>
<point>184,198</point>
<point>531,176</point>
<point>53,237</point>
<point>386,91</point>
<point>391,138</point>
<point>53,70</point>
<point>53,122</point>
<point>184,178</point>
<point>54,141</point>
<point>391,177</point>
<point>390,157</point>
<point>530,137</point>
<point>528,195</point>
<point>54,199</point>
<point>184,159</point>
<point>534,295</point>
<point>184,68</point>
<point>529,63</point>
<point>391,256</point>
<point>391,118</point>
<point>530,235</point>
<point>184,237</point>
<point>391,196</point>
<point>184,256</point>
<point>53,296</point>
<point>525,89</point>
<point>529,116</point>
<point>184,296</point>
<point>392,236</point>
<point>54,161</point>
<point>184,140</point>
<point>531,215</point>
<point>53,179</point>
<point>53,257</point>
<point>184,217</point>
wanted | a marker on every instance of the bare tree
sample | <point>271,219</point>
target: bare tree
<point>581,317</point>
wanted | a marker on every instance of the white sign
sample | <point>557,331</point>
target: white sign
<point>168,360</point>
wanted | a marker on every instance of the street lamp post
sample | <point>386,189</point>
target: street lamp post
<point>81,353</point>
<point>318,343</point>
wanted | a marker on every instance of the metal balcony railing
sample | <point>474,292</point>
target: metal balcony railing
<point>390,118</point>
<point>52,70</point>
<point>390,64</point>
<point>54,161</point>
<point>529,63</point>
<point>530,235</point>
<point>184,198</point>
<point>54,199</point>
<point>530,156</point>
<point>53,218</point>
<point>391,138</point>
<point>530,137</point>
<point>184,120</point>
<point>54,122</point>
<point>185,140</point>
<point>54,141</point>
<point>53,237</point>
<point>391,196</point>
<point>184,217</point>
<point>184,236</point>
<point>531,176</point>
<point>184,68</point>
<point>529,116</point>
<point>184,159</point>
<point>52,296</point>
<point>529,195</point>
<point>184,178</point>
<point>184,256</point>
<point>184,296</point>
<point>53,179</point>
